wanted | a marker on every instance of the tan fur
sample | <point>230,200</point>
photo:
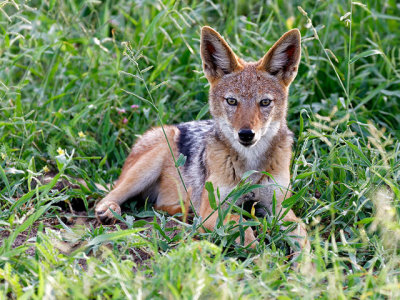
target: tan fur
<point>150,155</point>
<point>227,158</point>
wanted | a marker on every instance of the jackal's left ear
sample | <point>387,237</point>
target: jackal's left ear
<point>218,58</point>
<point>282,60</point>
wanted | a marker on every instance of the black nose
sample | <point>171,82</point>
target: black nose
<point>246,135</point>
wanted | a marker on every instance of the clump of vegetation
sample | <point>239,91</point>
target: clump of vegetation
<point>80,80</point>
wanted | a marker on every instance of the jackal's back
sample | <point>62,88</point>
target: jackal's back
<point>192,143</point>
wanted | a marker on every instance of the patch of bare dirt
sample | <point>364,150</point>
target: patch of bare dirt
<point>78,221</point>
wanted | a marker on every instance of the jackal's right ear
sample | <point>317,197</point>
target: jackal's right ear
<point>218,58</point>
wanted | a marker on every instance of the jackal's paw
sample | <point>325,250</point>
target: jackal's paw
<point>104,214</point>
<point>304,266</point>
<point>249,239</point>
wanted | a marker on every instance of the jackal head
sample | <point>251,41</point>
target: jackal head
<point>248,100</point>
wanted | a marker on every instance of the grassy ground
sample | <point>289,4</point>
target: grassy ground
<point>76,78</point>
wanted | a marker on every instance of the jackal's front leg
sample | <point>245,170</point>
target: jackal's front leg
<point>210,216</point>
<point>299,234</point>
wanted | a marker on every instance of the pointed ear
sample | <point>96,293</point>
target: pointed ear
<point>282,60</point>
<point>218,58</point>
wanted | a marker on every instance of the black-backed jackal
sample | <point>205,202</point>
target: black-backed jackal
<point>248,102</point>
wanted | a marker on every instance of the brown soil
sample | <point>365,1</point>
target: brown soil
<point>80,220</point>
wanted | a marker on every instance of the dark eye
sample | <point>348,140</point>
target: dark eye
<point>265,102</point>
<point>231,101</point>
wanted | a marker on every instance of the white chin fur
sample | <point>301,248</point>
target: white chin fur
<point>252,153</point>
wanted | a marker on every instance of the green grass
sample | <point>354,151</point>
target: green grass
<point>68,81</point>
